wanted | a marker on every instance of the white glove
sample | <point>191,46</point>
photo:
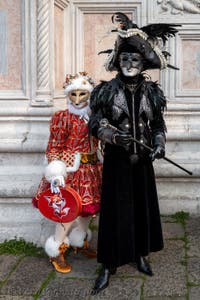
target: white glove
<point>55,173</point>
<point>56,182</point>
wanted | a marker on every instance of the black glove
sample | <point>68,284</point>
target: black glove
<point>122,139</point>
<point>110,134</point>
<point>159,147</point>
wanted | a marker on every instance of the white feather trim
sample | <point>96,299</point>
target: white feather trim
<point>76,237</point>
<point>80,83</point>
<point>66,241</point>
<point>89,235</point>
<point>52,247</point>
<point>76,165</point>
<point>82,112</point>
<point>55,168</point>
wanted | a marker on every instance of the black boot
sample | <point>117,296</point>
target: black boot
<point>102,280</point>
<point>143,266</point>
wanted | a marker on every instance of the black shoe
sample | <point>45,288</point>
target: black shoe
<point>102,280</point>
<point>144,267</point>
<point>112,271</point>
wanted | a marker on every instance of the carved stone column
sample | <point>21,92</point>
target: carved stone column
<point>61,3</point>
<point>44,54</point>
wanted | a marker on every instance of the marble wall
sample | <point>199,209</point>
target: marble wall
<point>41,41</point>
<point>3,45</point>
<point>191,64</point>
<point>11,45</point>
<point>58,48</point>
<point>97,37</point>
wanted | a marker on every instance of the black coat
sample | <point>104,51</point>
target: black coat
<point>129,223</point>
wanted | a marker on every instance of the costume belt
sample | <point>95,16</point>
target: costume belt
<point>89,158</point>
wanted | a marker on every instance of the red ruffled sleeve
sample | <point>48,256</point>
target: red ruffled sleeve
<point>58,136</point>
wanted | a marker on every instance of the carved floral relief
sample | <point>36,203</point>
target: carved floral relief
<point>180,6</point>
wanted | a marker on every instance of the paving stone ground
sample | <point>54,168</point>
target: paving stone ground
<point>176,272</point>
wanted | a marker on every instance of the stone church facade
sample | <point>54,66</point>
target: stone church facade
<point>41,41</point>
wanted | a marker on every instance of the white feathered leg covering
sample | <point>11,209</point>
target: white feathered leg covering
<point>53,242</point>
<point>80,232</point>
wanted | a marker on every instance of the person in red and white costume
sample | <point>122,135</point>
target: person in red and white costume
<point>73,161</point>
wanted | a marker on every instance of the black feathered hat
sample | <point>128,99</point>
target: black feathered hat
<point>148,41</point>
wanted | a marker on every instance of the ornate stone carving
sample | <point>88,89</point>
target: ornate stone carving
<point>180,6</point>
<point>43,80</point>
<point>43,44</point>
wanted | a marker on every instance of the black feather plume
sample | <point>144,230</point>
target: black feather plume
<point>172,67</point>
<point>122,21</point>
<point>166,53</point>
<point>108,51</point>
<point>164,31</point>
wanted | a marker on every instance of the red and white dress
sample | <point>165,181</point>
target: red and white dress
<point>69,135</point>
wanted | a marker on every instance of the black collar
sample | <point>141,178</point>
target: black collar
<point>131,83</point>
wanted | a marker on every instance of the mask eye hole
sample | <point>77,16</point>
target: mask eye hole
<point>82,94</point>
<point>73,94</point>
<point>125,58</point>
<point>135,59</point>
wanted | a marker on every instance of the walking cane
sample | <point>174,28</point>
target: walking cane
<point>105,123</point>
<point>165,158</point>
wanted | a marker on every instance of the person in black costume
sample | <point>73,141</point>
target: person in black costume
<point>126,107</point>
